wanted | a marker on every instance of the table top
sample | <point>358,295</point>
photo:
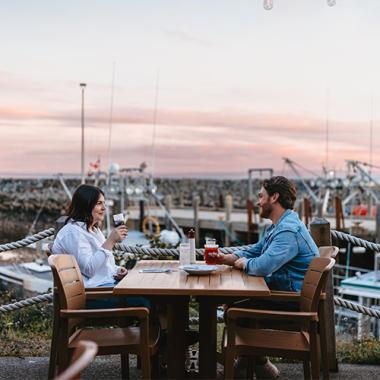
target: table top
<point>226,281</point>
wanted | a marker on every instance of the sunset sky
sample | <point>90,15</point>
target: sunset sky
<point>238,86</point>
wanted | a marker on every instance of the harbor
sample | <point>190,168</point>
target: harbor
<point>190,190</point>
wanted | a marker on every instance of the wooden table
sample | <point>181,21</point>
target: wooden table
<point>223,286</point>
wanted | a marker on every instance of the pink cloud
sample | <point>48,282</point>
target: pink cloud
<point>186,141</point>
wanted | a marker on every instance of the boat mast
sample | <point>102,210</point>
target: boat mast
<point>111,115</point>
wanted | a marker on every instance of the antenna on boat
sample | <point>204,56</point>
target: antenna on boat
<point>111,115</point>
<point>153,147</point>
<point>82,86</point>
<point>327,128</point>
<point>371,136</point>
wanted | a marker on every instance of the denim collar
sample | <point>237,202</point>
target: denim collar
<point>285,214</point>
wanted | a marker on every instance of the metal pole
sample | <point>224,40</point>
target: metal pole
<point>83,86</point>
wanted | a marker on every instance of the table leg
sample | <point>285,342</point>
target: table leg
<point>207,338</point>
<point>177,311</point>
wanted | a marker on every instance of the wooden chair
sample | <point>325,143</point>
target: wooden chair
<point>329,252</point>
<point>83,356</point>
<point>73,319</point>
<point>91,293</point>
<point>297,344</point>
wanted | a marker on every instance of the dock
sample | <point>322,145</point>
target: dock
<point>235,221</point>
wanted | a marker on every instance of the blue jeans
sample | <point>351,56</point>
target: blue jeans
<point>114,302</point>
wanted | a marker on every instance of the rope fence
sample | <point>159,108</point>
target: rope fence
<point>173,252</point>
<point>138,252</point>
<point>48,297</point>
<point>27,241</point>
<point>355,240</point>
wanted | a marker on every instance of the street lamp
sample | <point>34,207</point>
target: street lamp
<point>83,86</point>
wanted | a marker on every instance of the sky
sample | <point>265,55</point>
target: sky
<point>193,88</point>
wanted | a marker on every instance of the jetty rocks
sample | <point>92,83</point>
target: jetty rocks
<point>22,199</point>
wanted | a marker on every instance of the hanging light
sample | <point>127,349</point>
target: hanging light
<point>268,4</point>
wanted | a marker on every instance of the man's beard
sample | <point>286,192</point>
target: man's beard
<point>266,210</point>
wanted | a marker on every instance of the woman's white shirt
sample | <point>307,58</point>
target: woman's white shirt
<point>96,263</point>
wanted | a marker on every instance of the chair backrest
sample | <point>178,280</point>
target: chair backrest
<point>314,282</point>
<point>83,356</point>
<point>68,280</point>
<point>328,251</point>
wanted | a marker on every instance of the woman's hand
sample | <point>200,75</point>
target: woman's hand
<point>117,234</point>
<point>121,273</point>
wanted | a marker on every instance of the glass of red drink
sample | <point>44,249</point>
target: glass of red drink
<point>209,247</point>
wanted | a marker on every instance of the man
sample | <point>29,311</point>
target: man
<point>282,255</point>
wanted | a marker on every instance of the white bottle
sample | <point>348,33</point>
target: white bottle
<point>191,237</point>
<point>184,254</point>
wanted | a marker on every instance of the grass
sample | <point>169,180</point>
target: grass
<point>27,331</point>
<point>366,351</point>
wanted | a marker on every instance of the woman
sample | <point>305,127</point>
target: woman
<point>82,238</point>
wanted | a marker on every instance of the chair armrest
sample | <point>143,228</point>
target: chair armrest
<point>96,295</point>
<point>279,295</point>
<point>138,312</point>
<point>99,289</point>
<point>234,313</point>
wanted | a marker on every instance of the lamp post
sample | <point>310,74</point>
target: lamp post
<point>83,86</point>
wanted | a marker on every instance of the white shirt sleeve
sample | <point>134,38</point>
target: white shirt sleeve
<point>89,260</point>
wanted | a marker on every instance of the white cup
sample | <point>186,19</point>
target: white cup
<point>184,254</point>
<point>119,219</point>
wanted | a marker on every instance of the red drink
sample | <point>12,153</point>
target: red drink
<point>210,246</point>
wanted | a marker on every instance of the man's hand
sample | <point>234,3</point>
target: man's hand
<point>121,273</point>
<point>221,258</point>
<point>240,263</point>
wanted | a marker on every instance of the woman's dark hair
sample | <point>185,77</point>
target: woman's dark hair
<point>286,190</point>
<point>84,200</point>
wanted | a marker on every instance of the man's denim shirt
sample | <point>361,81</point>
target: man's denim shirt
<point>283,254</point>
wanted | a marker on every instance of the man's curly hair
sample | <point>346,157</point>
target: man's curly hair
<point>286,189</point>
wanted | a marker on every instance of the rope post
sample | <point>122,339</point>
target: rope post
<point>321,233</point>
<point>141,214</point>
<point>228,203</point>
<point>168,206</point>
<point>378,223</point>
<point>180,199</point>
<point>250,211</point>
<point>196,201</point>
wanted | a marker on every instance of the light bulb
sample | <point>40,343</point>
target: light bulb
<point>129,190</point>
<point>268,4</point>
<point>331,3</point>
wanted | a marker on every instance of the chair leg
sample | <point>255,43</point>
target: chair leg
<point>229,359</point>
<point>64,360</point>
<point>124,366</point>
<point>138,362</point>
<point>54,339</point>
<point>306,370</point>
<point>53,356</point>
<point>155,364</point>
<point>314,351</point>
<point>250,367</point>
<point>323,345</point>
<point>145,366</point>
